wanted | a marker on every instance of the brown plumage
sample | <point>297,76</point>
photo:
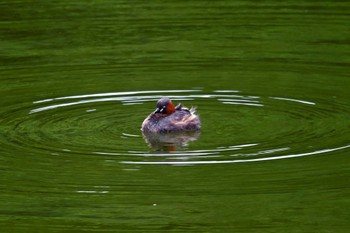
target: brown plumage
<point>168,118</point>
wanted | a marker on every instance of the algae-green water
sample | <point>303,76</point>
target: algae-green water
<point>270,81</point>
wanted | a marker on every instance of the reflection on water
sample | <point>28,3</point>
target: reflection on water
<point>271,83</point>
<point>170,142</point>
<point>261,128</point>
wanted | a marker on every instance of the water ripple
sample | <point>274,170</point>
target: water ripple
<point>288,156</point>
<point>236,127</point>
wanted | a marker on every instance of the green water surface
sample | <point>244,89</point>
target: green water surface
<point>271,83</point>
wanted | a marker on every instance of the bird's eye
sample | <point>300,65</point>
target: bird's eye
<point>163,110</point>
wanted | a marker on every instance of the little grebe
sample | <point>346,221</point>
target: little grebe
<point>168,118</point>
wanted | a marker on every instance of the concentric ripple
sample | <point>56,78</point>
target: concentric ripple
<point>237,127</point>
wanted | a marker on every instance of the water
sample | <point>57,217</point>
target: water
<point>269,80</point>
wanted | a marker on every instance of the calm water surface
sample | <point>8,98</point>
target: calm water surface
<point>270,81</point>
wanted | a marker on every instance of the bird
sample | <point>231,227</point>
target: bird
<point>169,118</point>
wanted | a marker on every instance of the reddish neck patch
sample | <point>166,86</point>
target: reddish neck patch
<point>170,108</point>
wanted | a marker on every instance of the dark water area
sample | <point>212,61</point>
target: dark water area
<point>270,81</point>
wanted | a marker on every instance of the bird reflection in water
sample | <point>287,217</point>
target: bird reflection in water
<point>170,142</point>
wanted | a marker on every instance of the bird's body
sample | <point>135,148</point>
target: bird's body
<point>168,118</point>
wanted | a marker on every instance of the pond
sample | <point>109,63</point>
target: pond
<point>270,83</point>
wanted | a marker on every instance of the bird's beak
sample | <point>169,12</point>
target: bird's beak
<point>157,110</point>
